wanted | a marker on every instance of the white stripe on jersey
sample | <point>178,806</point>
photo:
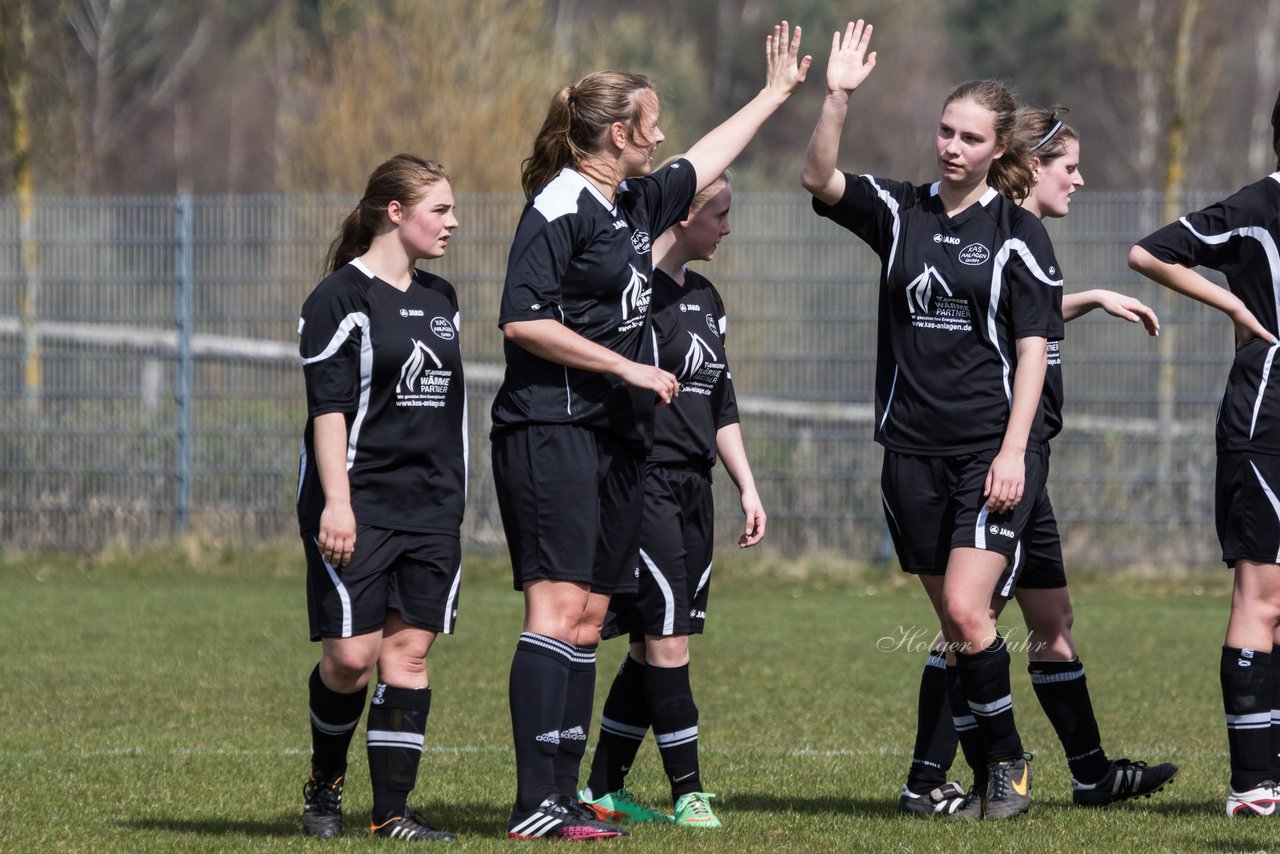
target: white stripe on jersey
<point>892,204</point>
<point>1257,233</point>
<point>1009,247</point>
<point>1271,496</point>
<point>568,394</point>
<point>669,606</point>
<point>351,321</point>
<point>343,596</point>
<point>893,387</point>
<point>302,468</point>
<point>1262,387</point>
<point>388,738</point>
<point>466,437</point>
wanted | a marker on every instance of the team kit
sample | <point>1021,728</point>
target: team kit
<point>618,402</point>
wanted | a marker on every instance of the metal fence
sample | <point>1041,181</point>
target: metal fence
<point>170,399</point>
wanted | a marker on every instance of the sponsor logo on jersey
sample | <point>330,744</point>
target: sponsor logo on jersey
<point>421,384</point>
<point>635,300</point>
<point>1001,532</point>
<point>442,328</point>
<point>696,356</point>
<point>950,241</point>
<point>411,312</point>
<point>974,254</point>
<point>712,325</point>
<point>920,291</point>
<point>640,242</point>
<point>932,305</point>
<point>1054,352</point>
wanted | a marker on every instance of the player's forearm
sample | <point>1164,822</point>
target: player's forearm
<point>714,153</point>
<point>329,438</point>
<point>555,342</point>
<point>733,456</point>
<point>1028,386</point>
<point>819,175</point>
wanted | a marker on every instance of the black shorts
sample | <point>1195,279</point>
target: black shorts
<point>935,504</point>
<point>1247,507</point>
<point>1037,562</point>
<point>418,575</point>
<point>674,572</point>
<point>571,499</point>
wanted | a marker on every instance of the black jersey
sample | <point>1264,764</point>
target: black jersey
<point>1240,237</point>
<point>689,330</point>
<point>1052,399</point>
<point>955,296</point>
<point>391,363</point>
<point>588,264</point>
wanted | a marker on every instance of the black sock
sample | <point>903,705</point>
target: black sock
<point>935,747</point>
<point>967,732</point>
<point>579,699</point>
<point>539,677</point>
<point>1246,697</point>
<point>395,736</point>
<point>984,678</point>
<point>675,725</point>
<point>622,728</point>
<point>1275,718</point>
<point>1064,695</point>
<point>334,718</point>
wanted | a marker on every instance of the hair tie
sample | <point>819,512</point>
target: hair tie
<point>1053,131</point>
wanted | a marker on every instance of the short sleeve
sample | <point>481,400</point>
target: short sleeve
<point>540,254</point>
<point>728,413</point>
<point>1203,238</point>
<point>1034,282</point>
<point>868,208</point>
<point>333,334</point>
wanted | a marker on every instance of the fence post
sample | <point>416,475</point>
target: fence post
<point>184,309</point>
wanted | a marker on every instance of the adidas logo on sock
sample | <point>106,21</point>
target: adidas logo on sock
<point>552,737</point>
<point>575,734</point>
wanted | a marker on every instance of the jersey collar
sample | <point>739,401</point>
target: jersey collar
<point>984,201</point>
<point>586,182</point>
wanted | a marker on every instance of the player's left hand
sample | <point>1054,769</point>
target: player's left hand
<point>1005,481</point>
<point>753,532</point>
<point>785,70</point>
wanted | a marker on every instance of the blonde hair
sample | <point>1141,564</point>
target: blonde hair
<point>1010,174</point>
<point>577,120</point>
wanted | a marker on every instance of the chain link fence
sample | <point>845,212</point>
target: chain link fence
<point>149,363</point>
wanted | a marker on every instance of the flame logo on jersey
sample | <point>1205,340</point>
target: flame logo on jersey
<point>699,353</point>
<point>635,297</point>
<point>920,291</point>
<point>411,370</point>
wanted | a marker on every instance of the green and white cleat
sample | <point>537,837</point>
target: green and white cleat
<point>694,810</point>
<point>620,807</point>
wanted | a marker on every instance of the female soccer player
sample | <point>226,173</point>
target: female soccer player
<point>1238,236</point>
<point>676,535</point>
<point>381,488</point>
<point>1037,578</point>
<point>573,418</point>
<point>969,295</point>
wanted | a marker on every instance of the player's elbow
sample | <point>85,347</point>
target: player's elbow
<point>1139,259</point>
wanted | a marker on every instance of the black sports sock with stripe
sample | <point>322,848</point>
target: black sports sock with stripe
<point>1246,698</point>
<point>967,732</point>
<point>675,725</point>
<point>622,729</point>
<point>580,695</point>
<point>1063,693</point>
<point>395,738</point>
<point>984,679</point>
<point>334,718</point>
<point>536,692</point>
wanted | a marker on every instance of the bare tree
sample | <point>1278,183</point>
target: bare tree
<point>1261,157</point>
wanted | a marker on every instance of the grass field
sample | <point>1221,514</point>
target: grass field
<point>157,702</point>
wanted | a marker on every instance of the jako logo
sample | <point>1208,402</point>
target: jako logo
<point>442,328</point>
<point>1003,532</point>
<point>622,223</point>
<point>950,241</point>
<point>974,254</point>
<point>640,242</point>
<point>410,312</point>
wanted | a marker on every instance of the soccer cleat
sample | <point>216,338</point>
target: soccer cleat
<point>410,827</point>
<point>620,807</point>
<point>945,801</point>
<point>561,818</point>
<point>694,810</point>
<point>1261,801</point>
<point>1124,780</point>
<point>322,807</point>
<point>1008,789</point>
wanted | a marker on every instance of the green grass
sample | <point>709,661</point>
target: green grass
<point>157,702</point>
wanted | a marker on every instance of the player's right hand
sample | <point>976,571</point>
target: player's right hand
<point>662,383</point>
<point>337,539</point>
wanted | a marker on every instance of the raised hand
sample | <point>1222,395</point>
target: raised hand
<point>784,70</point>
<point>850,63</point>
